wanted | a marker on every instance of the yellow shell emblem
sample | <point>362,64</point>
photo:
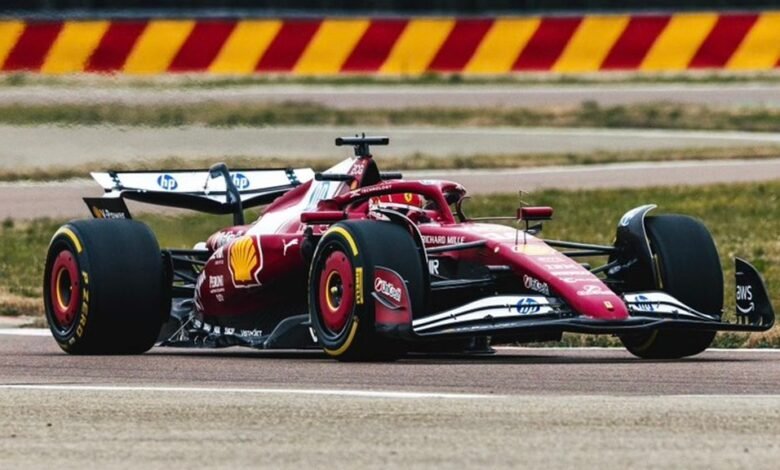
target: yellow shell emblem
<point>244,260</point>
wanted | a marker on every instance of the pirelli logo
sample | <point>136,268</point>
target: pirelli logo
<point>359,286</point>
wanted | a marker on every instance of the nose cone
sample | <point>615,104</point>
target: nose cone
<point>602,306</point>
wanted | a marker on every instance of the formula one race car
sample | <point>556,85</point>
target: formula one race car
<point>368,266</point>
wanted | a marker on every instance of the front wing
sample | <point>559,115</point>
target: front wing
<point>516,314</point>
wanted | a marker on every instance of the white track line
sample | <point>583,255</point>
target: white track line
<point>25,332</point>
<point>259,391</point>
<point>619,349</point>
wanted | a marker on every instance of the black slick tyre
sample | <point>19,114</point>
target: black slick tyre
<point>689,269</point>
<point>341,281</point>
<point>103,287</point>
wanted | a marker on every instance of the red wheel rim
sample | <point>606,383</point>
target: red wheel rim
<point>336,291</point>
<point>65,289</point>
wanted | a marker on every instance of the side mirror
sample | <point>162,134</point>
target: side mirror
<point>534,214</point>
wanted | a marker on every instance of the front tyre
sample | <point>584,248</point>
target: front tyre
<point>689,270</point>
<point>340,303</point>
<point>103,287</point>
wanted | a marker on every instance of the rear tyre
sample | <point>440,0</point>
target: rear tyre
<point>342,311</point>
<point>103,287</point>
<point>689,270</point>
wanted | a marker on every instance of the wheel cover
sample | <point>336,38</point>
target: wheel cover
<point>65,289</point>
<point>336,296</point>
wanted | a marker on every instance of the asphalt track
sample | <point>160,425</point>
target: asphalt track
<point>63,199</point>
<point>396,96</point>
<point>523,408</point>
<point>43,146</point>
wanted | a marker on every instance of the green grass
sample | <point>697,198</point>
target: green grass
<point>587,114</point>
<point>414,162</point>
<point>526,79</point>
<point>744,220</point>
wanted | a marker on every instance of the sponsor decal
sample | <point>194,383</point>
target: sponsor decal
<point>433,267</point>
<point>167,182</point>
<point>536,285</point>
<point>572,273</point>
<point>408,197</point>
<point>240,180</point>
<point>591,290</point>
<point>443,239</point>
<point>245,261</point>
<point>223,238</point>
<point>318,192</point>
<point>84,304</point>
<point>533,249</point>
<point>563,267</point>
<point>745,302</point>
<point>553,259</point>
<point>287,245</point>
<point>527,305</point>
<point>251,333</point>
<point>573,280</point>
<point>359,286</point>
<point>107,214</point>
<point>216,284</point>
<point>644,304</point>
<point>388,289</point>
<point>375,189</point>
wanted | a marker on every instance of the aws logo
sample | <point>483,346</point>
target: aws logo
<point>245,261</point>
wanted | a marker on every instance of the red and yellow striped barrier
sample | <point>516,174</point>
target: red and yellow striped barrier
<point>415,46</point>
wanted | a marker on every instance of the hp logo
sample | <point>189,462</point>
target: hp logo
<point>240,180</point>
<point>527,305</point>
<point>167,182</point>
<point>644,304</point>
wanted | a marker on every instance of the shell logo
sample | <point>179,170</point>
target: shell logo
<point>246,261</point>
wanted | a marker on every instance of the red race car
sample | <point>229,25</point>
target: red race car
<point>368,266</point>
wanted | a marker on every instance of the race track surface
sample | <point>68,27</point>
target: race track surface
<point>44,146</point>
<point>29,200</point>
<point>528,408</point>
<point>404,96</point>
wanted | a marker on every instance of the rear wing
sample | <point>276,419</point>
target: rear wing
<point>214,191</point>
